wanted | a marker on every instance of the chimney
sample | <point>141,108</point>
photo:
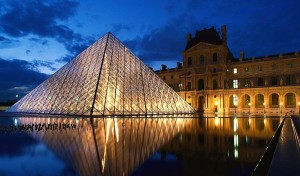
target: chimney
<point>188,37</point>
<point>224,34</point>
<point>163,67</point>
<point>242,56</point>
<point>179,65</point>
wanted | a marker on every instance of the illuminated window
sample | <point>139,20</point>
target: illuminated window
<point>235,84</point>
<point>235,100</point>
<point>234,70</point>
<point>180,86</point>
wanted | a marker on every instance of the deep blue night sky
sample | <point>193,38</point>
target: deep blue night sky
<point>38,37</point>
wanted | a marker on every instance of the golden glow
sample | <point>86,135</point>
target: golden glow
<point>216,103</point>
<point>217,121</point>
<point>280,103</point>
<point>264,104</point>
<point>249,104</point>
<point>299,103</point>
<point>235,124</point>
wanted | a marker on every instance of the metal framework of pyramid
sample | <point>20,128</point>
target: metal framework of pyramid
<point>105,79</point>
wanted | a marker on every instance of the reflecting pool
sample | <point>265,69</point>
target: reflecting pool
<point>164,145</point>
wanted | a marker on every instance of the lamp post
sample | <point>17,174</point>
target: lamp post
<point>249,104</point>
<point>280,107</point>
<point>299,107</point>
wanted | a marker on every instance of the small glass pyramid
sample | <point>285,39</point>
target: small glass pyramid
<point>105,79</point>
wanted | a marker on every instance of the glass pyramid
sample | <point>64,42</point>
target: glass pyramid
<point>105,79</point>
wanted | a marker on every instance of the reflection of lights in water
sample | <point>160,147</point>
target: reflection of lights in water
<point>16,122</point>
<point>217,121</point>
<point>265,120</point>
<point>180,138</point>
<point>236,140</point>
<point>236,153</point>
<point>76,120</point>
<point>249,120</point>
<point>228,154</point>
<point>235,124</point>
<point>247,139</point>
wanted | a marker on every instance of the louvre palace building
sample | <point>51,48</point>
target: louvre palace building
<point>213,81</point>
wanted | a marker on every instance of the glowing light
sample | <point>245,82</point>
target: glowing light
<point>235,124</point>
<point>280,103</point>
<point>236,140</point>
<point>217,121</point>
<point>235,99</point>
<point>16,122</point>
<point>236,153</point>
<point>216,103</point>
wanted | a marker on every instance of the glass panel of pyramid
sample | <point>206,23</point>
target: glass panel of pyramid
<point>105,79</point>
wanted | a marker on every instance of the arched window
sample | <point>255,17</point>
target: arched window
<point>201,60</point>
<point>200,84</point>
<point>274,100</point>
<point>259,101</point>
<point>290,100</point>
<point>246,101</point>
<point>189,61</point>
<point>233,101</point>
<point>215,57</point>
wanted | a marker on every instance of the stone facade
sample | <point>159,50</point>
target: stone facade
<point>213,81</point>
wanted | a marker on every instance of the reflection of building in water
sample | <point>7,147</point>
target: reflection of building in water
<point>213,146</point>
<point>211,80</point>
<point>105,79</point>
<point>111,146</point>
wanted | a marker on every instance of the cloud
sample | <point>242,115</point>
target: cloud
<point>42,18</point>
<point>43,63</point>
<point>18,74</point>
<point>165,43</point>
<point>117,28</point>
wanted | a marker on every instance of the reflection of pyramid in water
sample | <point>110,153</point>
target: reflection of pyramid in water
<point>104,79</point>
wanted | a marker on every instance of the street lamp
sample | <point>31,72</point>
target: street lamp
<point>249,104</point>
<point>280,107</point>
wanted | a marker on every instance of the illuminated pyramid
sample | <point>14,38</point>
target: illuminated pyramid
<point>105,79</point>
